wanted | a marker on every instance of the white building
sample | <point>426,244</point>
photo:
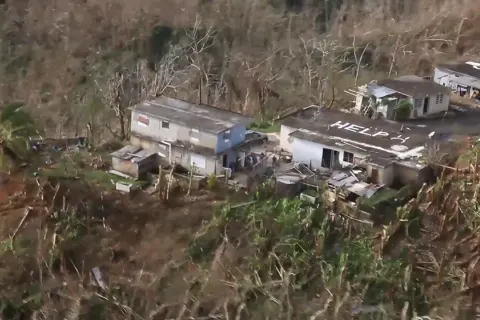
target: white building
<point>383,97</point>
<point>325,139</point>
<point>463,77</point>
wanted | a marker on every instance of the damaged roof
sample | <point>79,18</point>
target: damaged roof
<point>199,116</point>
<point>131,153</point>
<point>413,86</point>
<point>349,182</point>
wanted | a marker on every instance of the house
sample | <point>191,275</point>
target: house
<point>385,98</point>
<point>326,140</point>
<point>463,77</point>
<point>206,138</point>
<point>134,161</point>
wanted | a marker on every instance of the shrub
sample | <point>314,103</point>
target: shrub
<point>212,182</point>
<point>403,110</point>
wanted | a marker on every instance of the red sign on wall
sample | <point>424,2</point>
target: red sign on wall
<point>143,119</point>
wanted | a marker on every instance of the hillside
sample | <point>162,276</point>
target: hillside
<point>78,66</point>
<point>257,56</point>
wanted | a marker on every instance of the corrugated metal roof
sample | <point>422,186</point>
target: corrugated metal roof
<point>340,179</point>
<point>379,91</point>
<point>364,189</point>
<point>204,117</point>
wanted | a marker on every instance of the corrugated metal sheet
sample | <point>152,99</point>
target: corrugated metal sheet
<point>364,189</point>
<point>349,182</point>
<point>379,91</point>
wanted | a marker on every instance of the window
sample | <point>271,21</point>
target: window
<point>418,103</point>
<point>165,124</point>
<point>194,135</point>
<point>439,98</point>
<point>226,135</point>
<point>347,157</point>
<point>143,121</point>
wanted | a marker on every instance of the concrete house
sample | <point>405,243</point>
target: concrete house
<point>134,161</point>
<point>463,77</point>
<point>380,99</point>
<point>191,135</point>
<point>328,140</point>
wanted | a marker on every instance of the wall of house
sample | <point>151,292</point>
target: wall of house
<point>360,100</point>
<point>135,169</point>
<point>125,166</point>
<point>179,155</point>
<point>450,80</point>
<point>204,165</point>
<point>443,78</point>
<point>433,106</point>
<point>285,144</point>
<point>385,174</point>
<point>155,131</point>
<point>236,136</point>
<point>147,144</point>
<point>408,175</point>
<point>310,153</point>
<point>161,149</point>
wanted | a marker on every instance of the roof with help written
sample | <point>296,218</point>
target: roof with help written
<point>387,140</point>
<point>200,116</point>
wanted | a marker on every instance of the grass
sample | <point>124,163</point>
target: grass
<point>382,195</point>
<point>266,127</point>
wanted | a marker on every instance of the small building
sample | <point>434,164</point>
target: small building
<point>133,161</point>
<point>197,136</point>
<point>384,98</point>
<point>462,77</point>
<point>328,140</point>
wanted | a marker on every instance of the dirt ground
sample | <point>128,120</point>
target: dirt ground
<point>124,234</point>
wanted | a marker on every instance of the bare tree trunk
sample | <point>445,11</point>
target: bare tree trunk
<point>123,131</point>
<point>190,180</point>
<point>159,187</point>
<point>170,178</point>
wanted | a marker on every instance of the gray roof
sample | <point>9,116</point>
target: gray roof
<point>412,85</point>
<point>199,116</point>
<point>131,153</point>
<point>462,68</point>
<point>379,91</point>
<point>321,121</point>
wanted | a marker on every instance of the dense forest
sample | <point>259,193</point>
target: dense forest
<point>75,62</point>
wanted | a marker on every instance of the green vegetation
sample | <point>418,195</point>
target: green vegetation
<point>266,127</point>
<point>16,127</point>
<point>386,198</point>
<point>403,110</point>
<point>289,247</point>
<point>212,182</point>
